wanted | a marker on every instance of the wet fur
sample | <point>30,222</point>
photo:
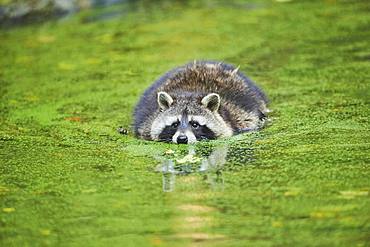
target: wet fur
<point>243,104</point>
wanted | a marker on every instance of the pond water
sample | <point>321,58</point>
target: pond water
<point>207,161</point>
<point>67,81</point>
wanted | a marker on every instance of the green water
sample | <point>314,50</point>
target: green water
<point>67,178</point>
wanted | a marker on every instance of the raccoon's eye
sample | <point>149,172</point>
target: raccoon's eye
<point>194,124</point>
<point>175,125</point>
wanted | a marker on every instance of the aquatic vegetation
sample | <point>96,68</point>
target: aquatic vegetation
<point>69,178</point>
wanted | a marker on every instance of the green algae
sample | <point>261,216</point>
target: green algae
<point>68,178</point>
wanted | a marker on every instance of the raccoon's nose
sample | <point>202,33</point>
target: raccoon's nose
<point>182,139</point>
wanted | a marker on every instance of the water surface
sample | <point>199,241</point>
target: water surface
<point>68,178</point>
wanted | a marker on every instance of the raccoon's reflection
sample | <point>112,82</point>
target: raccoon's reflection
<point>210,166</point>
<point>208,161</point>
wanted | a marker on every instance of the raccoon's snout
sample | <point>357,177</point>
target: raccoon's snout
<point>182,139</point>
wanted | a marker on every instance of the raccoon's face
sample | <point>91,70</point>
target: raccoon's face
<point>185,121</point>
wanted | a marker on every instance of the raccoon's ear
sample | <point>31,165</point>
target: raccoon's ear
<point>164,100</point>
<point>212,101</point>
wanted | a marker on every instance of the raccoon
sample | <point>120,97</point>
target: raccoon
<point>202,100</point>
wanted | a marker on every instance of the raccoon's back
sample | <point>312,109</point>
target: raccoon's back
<point>199,79</point>
<point>206,77</point>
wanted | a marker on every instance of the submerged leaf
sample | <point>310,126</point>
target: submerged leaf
<point>291,193</point>
<point>277,224</point>
<point>322,214</point>
<point>65,66</point>
<point>45,39</point>
<point>45,232</point>
<point>73,119</point>
<point>8,210</point>
<point>353,194</point>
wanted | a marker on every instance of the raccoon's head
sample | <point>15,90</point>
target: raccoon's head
<point>187,120</point>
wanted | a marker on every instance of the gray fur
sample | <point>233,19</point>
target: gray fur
<point>214,94</point>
